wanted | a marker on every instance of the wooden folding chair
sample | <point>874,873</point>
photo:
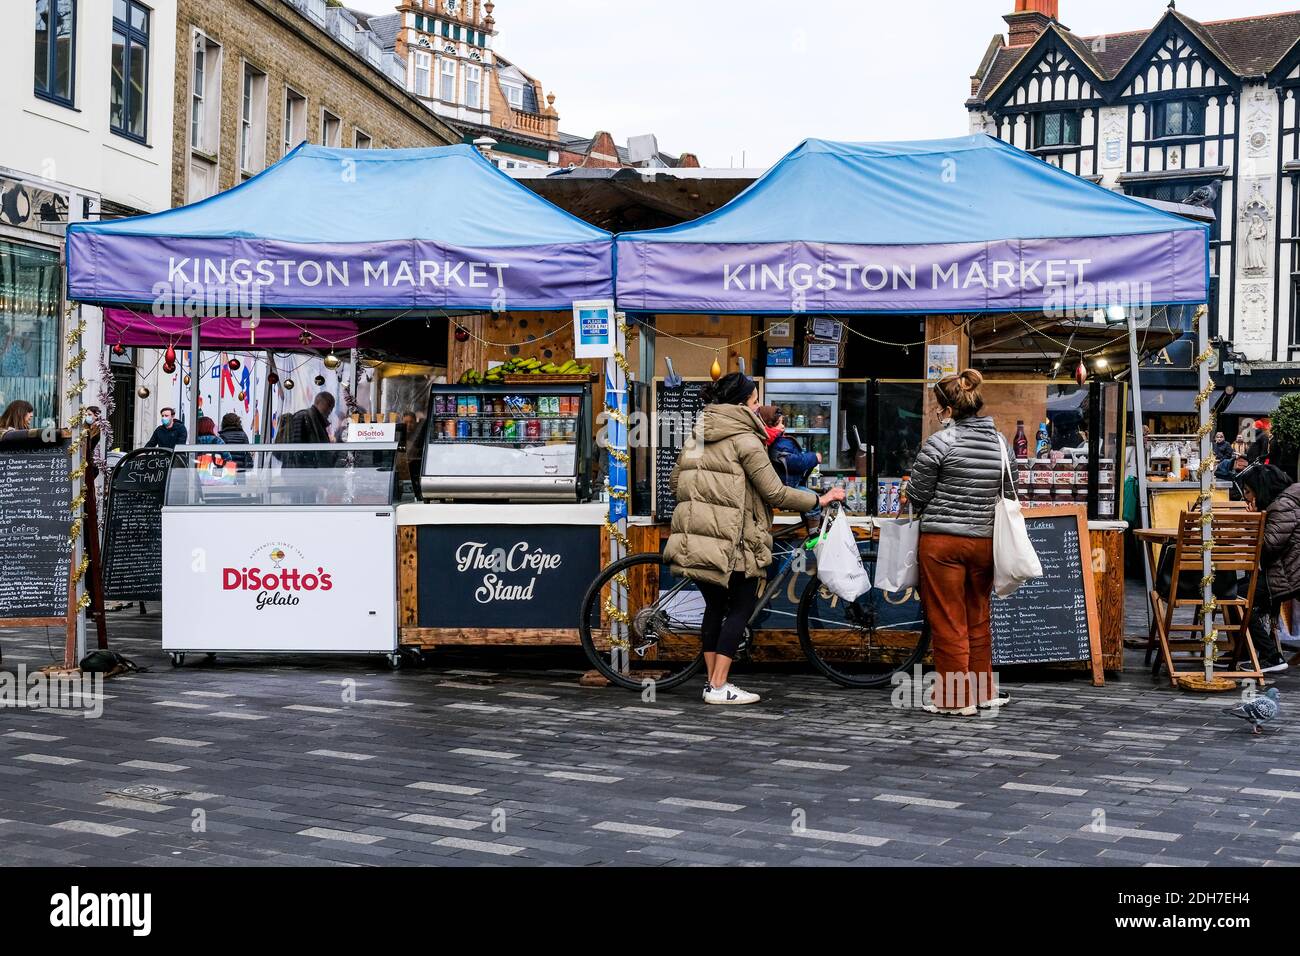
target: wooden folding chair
<point>1238,539</point>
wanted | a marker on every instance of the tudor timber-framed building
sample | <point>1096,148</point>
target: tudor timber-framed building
<point>1160,113</point>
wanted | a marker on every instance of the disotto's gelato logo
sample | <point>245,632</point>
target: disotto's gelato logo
<point>277,585</point>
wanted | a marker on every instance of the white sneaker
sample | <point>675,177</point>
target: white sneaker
<point>707,688</point>
<point>729,694</point>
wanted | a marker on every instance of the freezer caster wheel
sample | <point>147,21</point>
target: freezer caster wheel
<point>415,656</point>
<point>394,661</point>
<point>178,659</point>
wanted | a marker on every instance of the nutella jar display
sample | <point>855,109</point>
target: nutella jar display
<point>1042,496</point>
<point>1023,475</point>
<point>1041,473</point>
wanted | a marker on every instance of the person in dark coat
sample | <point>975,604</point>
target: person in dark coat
<point>1261,447</point>
<point>170,433</point>
<point>1222,447</point>
<point>311,427</point>
<point>792,463</point>
<point>232,433</point>
<point>1269,489</point>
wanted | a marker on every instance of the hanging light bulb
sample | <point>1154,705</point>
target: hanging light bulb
<point>332,361</point>
<point>716,370</point>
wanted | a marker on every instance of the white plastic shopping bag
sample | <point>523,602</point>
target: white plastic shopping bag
<point>896,558</point>
<point>1014,559</point>
<point>839,565</point>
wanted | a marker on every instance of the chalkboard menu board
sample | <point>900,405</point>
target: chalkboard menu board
<point>1051,619</point>
<point>133,529</point>
<point>676,411</point>
<point>35,553</point>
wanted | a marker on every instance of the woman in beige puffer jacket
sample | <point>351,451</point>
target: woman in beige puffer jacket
<point>726,488</point>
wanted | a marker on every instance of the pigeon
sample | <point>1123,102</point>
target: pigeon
<point>1258,710</point>
<point>1205,196</point>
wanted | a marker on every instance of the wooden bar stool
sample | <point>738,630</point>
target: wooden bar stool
<point>1234,564</point>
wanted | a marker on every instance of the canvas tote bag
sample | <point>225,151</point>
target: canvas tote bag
<point>1014,559</point>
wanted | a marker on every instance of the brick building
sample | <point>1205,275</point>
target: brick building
<point>452,66</point>
<point>254,78</point>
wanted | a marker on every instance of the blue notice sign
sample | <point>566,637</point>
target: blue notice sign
<point>593,329</point>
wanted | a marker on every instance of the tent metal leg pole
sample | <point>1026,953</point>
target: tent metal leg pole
<point>1139,438</point>
<point>196,365</point>
<point>268,392</point>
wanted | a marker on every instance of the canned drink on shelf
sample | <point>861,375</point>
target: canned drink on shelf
<point>510,430</point>
<point>882,497</point>
<point>498,428</point>
<point>895,491</point>
<point>462,428</point>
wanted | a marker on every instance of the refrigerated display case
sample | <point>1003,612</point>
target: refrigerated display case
<point>280,549</point>
<point>810,398</point>
<point>508,442</point>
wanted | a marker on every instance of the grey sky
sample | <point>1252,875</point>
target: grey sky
<point>726,78</point>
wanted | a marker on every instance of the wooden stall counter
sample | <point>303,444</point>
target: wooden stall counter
<point>499,574</point>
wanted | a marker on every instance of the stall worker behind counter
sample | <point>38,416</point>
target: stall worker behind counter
<point>170,433</point>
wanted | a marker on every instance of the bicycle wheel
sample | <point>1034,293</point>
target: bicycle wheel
<point>662,631</point>
<point>862,643</point>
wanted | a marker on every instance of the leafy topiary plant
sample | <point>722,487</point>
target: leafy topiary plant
<point>1286,433</point>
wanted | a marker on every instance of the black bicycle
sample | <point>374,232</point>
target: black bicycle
<point>640,622</point>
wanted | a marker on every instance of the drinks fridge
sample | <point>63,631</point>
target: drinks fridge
<point>508,442</point>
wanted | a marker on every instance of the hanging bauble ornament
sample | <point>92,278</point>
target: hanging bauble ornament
<point>169,368</point>
<point>233,365</point>
<point>332,361</point>
<point>169,357</point>
<point>304,337</point>
<point>272,378</point>
<point>716,371</point>
<point>143,391</point>
<point>187,380</point>
<point>462,334</point>
<point>119,349</point>
<point>1081,373</point>
<point>319,380</point>
<point>243,396</point>
<point>288,384</point>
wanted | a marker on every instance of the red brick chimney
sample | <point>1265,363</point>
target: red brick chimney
<point>1030,19</point>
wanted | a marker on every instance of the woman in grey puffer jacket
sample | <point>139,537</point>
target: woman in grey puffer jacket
<point>955,484</point>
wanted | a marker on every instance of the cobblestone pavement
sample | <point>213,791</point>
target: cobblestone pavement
<point>506,759</point>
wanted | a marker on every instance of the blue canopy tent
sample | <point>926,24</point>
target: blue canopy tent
<point>326,236</point>
<point>352,229</point>
<point>969,225</point>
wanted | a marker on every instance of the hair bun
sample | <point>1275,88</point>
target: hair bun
<point>970,380</point>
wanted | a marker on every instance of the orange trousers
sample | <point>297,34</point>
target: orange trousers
<point>956,584</point>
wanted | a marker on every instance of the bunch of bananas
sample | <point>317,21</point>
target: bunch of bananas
<point>522,366</point>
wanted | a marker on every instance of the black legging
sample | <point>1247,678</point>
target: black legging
<point>726,612</point>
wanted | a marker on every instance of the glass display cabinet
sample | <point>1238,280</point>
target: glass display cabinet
<point>508,442</point>
<point>280,549</point>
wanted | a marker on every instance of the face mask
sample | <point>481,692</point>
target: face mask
<point>166,421</point>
